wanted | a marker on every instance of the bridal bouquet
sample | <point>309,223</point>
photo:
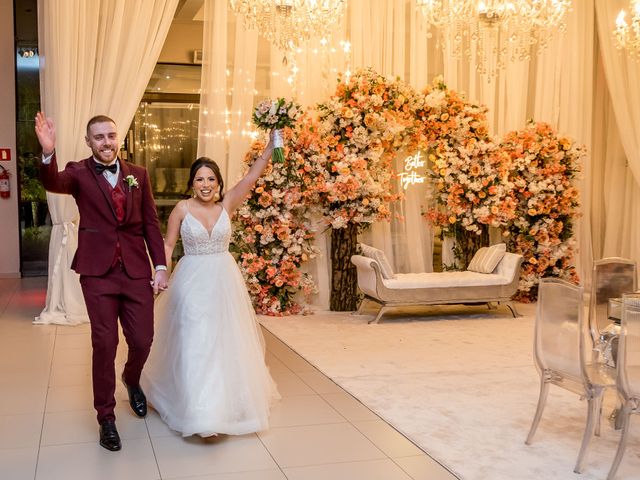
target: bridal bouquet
<point>276,115</point>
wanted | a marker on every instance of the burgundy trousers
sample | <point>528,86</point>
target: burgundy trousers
<point>109,297</point>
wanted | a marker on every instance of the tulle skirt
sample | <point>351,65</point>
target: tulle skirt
<point>206,372</point>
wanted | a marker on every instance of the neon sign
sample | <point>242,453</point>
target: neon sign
<point>410,176</point>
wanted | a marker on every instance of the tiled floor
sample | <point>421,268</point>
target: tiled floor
<point>48,429</point>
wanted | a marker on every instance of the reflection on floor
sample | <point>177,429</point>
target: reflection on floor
<point>48,428</point>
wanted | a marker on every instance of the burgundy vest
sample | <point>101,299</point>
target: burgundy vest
<point>119,202</point>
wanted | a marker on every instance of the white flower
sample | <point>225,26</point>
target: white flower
<point>131,181</point>
<point>435,98</point>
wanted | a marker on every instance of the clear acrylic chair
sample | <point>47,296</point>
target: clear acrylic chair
<point>563,354</point>
<point>628,371</point>
<point>612,277</point>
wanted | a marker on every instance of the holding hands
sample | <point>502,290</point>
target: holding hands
<point>160,281</point>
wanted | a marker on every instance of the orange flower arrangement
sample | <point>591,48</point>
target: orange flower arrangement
<point>544,165</point>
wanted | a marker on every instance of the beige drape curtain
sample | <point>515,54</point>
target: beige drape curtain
<point>97,58</point>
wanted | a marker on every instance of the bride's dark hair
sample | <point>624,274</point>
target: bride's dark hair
<point>206,162</point>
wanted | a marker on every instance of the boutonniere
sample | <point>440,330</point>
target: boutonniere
<point>131,181</point>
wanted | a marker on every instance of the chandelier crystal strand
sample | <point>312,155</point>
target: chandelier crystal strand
<point>287,24</point>
<point>627,35</point>
<point>495,32</point>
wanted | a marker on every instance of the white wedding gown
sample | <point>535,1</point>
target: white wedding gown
<point>206,372</point>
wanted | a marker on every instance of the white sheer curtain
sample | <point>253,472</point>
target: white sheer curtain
<point>619,150</point>
<point>97,58</point>
<point>616,195</point>
<point>229,56</point>
<point>378,31</point>
<point>560,86</point>
<point>564,93</point>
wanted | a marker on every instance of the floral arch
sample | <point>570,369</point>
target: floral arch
<point>339,166</point>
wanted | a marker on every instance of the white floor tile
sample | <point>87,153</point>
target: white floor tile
<point>11,380</point>
<point>46,403</point>
<point>63,357</point>
<point>370,470</point>
<point>135,461</point>
<point>18,463</point>
<point>70,375</point>
<point>20,431</point>
<point>290,383</point>
<point>319,382</point>
<point>424,467</point>
<point>22,398</point>
<point>81,426</point>
<point>274,364</point>
<point>349,407</point>
<point>179,456</point>
<point>83,328</point>
<point>80,339</point>
<point>65,399</point>
<point>388,439</point>
<point>156,427</point>
<point>255,475</point>
<point>26,354</point>
<point>303,410</point>
<point>318,444</point>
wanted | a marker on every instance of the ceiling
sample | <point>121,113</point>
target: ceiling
<point>26,17</point>
<point>190,10</point>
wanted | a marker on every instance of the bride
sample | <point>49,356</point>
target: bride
<point>206,372</point>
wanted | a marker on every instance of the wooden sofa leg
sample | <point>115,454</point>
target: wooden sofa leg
<point>512,307</point>
<point>360,307</point>
<point>381,312</point>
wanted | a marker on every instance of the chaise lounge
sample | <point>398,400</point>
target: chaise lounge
<point>492,277</point>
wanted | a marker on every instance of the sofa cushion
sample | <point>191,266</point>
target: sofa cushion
<point>445,280</point>
<point>486,259</point>
<point>381,258</point>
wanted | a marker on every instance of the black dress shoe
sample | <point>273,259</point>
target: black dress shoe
<point>137,400</point>
<point>109,437</point>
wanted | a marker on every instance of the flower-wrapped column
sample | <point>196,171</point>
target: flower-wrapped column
<point>367,121</point>
<point>545,164</point>
<point>344,294</point>
<point>469,173</point>
<point>274,232</point>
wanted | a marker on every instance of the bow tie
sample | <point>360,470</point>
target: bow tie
<point>101,168</point>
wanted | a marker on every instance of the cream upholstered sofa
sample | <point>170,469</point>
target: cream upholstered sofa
<point>436,288</point>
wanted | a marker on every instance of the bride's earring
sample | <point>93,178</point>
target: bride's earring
<point>193,193</point>
<point>216,196</point>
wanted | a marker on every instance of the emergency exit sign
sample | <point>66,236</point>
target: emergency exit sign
<point>5,154</point>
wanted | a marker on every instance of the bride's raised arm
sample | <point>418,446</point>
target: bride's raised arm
<point>236,195</point>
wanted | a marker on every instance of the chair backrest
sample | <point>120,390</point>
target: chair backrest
<point>559,324</point>
<point>628,361</point>
<point>611,278</point>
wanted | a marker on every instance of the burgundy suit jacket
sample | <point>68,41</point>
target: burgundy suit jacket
<point>100,231</point>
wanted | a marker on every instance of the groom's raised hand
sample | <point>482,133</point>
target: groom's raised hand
<point>46,133</point>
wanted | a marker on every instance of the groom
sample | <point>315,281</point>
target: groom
<point>118,223</point>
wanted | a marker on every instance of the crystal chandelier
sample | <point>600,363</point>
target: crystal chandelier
<point>628,36</point>
<point>289,23</point>
<point>495,32</point>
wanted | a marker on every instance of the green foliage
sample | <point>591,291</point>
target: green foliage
<point>31,189</point>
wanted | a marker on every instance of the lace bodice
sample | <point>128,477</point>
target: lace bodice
<point>196,240</point>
